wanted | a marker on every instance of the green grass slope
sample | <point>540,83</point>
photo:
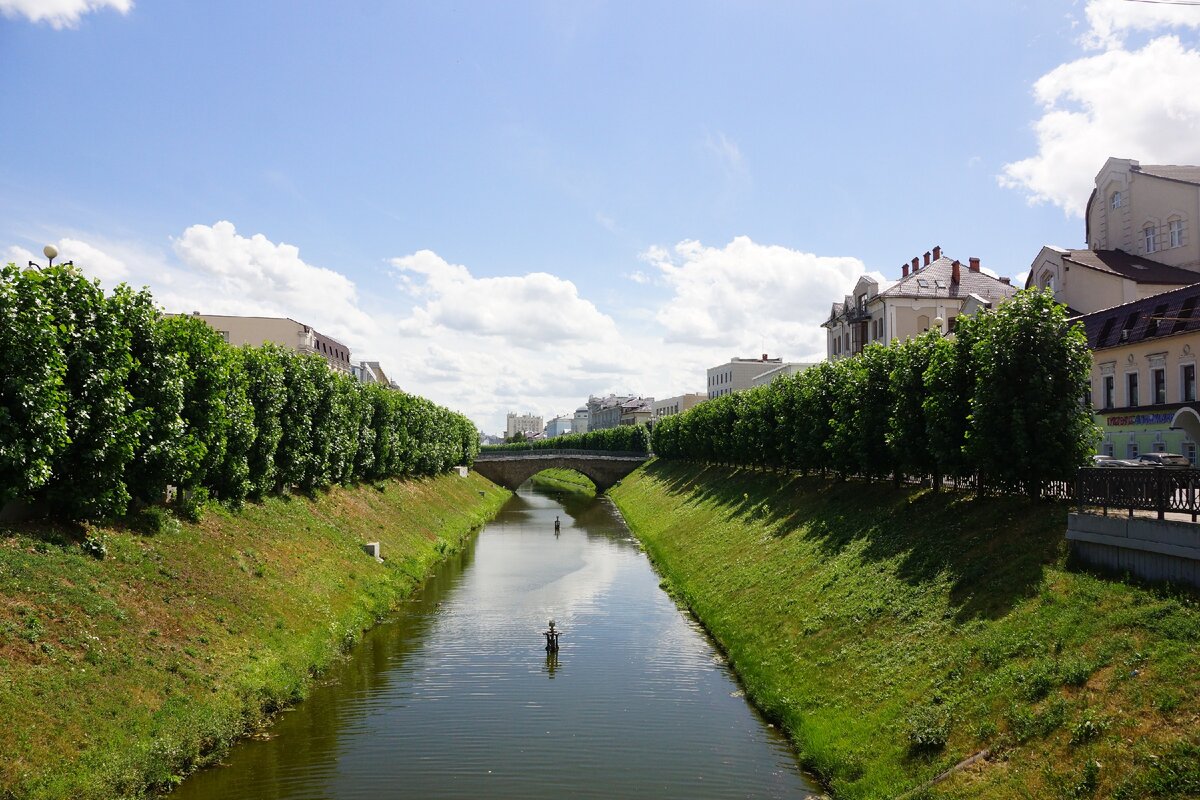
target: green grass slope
<point>565,480</point>
<point>895,632</point>
<point>118,676</point>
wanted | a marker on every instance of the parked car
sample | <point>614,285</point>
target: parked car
<point>1108,462</point>
<point>1164,460</point>
<point>1101,460</point>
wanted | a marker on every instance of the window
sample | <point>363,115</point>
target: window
<point>1152,326</point>
<point>1175,232</point>
<point>1108,391</point>
<point>1159,378</point>
<point>1159,447</point>
<point>1189,450</point>
<point>1131,390</point>
<point>1117,199</point>
<point>1187,381</point>
<point>1108,448</point>
<point>1185,314</point>
<point>1132,450</point>
<point>1148,239</point>
<point>1105,331</point>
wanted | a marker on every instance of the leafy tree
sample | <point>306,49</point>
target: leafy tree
<point>1028,425</point>
<point>33,399</point>
<point>264,368</point>
<point>908,432</point>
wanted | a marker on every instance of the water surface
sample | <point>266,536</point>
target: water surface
<point>455,697</point>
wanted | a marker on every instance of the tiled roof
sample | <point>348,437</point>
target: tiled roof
<point>1135,268</point>
<point>934,281</point>
<point>1151,317</point>
<point>1171,172</point>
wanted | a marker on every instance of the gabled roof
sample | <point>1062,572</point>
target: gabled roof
<point>1159,315</point>
<point>934,281</point>
<point>1135,268</point>
<point>1171,172</point>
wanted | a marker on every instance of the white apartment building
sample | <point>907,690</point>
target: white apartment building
<point>788,368</point>
<point>737,374</point>
<point>580,423</point>
<point>257,331</point>
<point>677,405</point>
<point>938,289</point>
<point>558,426</point>
<point>527,424</point>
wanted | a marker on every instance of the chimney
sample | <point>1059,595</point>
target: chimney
<point>955,272</point>
<point>937,252</point>
<point>904,267</point>
<point>1006,281</point>
<point>927,258</point>
<point>764,356</point>
<point>974,264</point>
<point>916,263</point>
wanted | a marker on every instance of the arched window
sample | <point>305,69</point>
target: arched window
<point>1149,240</point>
<point>1117,199</point>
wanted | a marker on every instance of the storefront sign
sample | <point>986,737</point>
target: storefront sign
<point>1140,419</point>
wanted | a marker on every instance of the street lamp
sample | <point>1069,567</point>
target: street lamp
<point>51,253</point>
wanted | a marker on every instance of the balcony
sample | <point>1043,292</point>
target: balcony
<point>857,314</point>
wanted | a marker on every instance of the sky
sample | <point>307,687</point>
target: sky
<point>513,206</point>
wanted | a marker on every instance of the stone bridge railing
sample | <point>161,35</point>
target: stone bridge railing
<point>511,468</point>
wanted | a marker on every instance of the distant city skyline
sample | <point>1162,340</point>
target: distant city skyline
<point>517,206</point>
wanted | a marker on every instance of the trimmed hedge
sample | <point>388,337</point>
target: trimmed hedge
<point>104,401</point>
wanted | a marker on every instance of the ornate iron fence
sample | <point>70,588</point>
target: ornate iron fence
<point>1157,489</point>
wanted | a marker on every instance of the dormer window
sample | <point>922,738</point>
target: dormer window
<point>1148,239</point>
<point>1117,200</point>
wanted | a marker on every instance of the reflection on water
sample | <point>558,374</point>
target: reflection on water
<point>456,697</point>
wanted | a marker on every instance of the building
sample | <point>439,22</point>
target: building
<point>677,405</point>
<point>1144,374</point>
<point>558,426</point>
<point>372,372</point>
<point>604,412</point>
<point>1139,235</point>
<point>737,374</point>
<point>580,423</point>
<point>257,331</point>
<point>637,411</point>
<point>789,368</point>
<point>937,289</point>
<point>527,424</point>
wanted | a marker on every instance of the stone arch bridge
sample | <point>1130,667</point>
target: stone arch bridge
<point>511,468</point>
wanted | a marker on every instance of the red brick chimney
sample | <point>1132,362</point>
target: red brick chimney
<point>955,272</point>
<point>927,258</point>
<point>974,264</point>
<point>1006,281</point>
<point>937,252</point>
<point>916,262</point>
<point>904,267</point>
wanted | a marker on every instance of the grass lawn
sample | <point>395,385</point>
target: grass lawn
<point>895,632</point>
<point>565,480</point>
<point>118,676</point>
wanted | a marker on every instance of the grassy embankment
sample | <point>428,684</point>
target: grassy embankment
<point>118,676</point>
<point>895,632</point>
<point>565,480</point>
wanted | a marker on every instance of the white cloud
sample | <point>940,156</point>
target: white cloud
<point>255,275</point>
<point>528,311</point>
<point>746,295</point>
<point>60,14</point>
<point>1110,20</point>
<point>1139,104</point>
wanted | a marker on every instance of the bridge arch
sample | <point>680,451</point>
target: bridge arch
<point>510,470</point>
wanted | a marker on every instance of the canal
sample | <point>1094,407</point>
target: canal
<point>456,697</point>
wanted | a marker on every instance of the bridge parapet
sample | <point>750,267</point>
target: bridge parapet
<point>495,455</point>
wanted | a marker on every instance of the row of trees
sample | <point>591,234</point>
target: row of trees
<point>103,400</point>
<point>628,438</point>
<point>1003,400</point>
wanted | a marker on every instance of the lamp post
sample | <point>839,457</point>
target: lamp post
<point>51,253</point>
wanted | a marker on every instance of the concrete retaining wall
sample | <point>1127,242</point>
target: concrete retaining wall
<point>1150,549</point>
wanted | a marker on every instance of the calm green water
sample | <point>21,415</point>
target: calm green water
<point>457,698</point>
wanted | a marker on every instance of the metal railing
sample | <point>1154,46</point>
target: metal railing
<point>1157,489</point>
<point>495,455</point>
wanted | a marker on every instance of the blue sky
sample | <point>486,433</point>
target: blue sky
<point>515,205</point>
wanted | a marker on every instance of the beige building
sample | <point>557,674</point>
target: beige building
<point>372,372</point>
<point>678,404</point>
<point>527,424</point>
<point>1144,374</point>
<point>580,423</point>
<point>937,289</point>
<point>738,374</point>
<point>257,331</point>
<point>637,411</point>
<point>1140,232</point>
